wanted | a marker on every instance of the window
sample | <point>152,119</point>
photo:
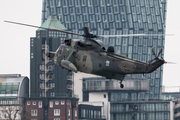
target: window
<point>52,85</point>
<point>62,102</point>
<point>56,119</point>
<point>107,63</point>
<point>75,114</point>
<point>28,103</point>
<point>34,112</point>
<point>52,94</point>
<point>34,103</point>
<point>91,113</point>
<point>40,104</point>
<point>69,112</point>
<point>56,112</point>
<point>51,104</point>
<point>57,103</point>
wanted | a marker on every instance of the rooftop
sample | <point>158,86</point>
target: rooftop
<point>52,23</point>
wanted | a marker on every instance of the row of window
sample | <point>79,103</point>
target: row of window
<point>8,102</point>
<point>54,119</point>
<point>49,76</point>
<point>141,116</point>
<point>51,103</point>
<point>115,25</point>
<point>34,112</point>
<point>139,20</point>
<point>103,10</point>
<point>34,103</point>
<point>50,85</point>
<point>90,114</point>
<point>136,96</point>
<point>86,2</point>
<point>51,93</point>
<point>140,107</point>
<point>65,3</point>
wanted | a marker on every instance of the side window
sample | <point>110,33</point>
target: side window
<point>78,57</point>
<point>107,63</point>
<point>84,58</point>
<point>51,104</point>
<point>40,104</point>
<point>28,103</point>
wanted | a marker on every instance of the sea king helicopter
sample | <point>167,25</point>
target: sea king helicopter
<point>90,56</point>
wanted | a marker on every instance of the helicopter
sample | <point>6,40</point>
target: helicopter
<point>90,56</point>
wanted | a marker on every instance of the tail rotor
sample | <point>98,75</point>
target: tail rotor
<point>155,55</point>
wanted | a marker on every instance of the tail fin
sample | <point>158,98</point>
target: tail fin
<point>153,66</point>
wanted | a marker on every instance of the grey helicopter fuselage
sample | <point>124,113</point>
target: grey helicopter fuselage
<point>76,55</point>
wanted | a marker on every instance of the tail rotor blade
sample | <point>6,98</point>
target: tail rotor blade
<point>152,49</point>
<point>169,62</point>
<point>160,51</point>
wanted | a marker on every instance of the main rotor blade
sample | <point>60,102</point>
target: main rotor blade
<point>51,29</point>
<point>105,36</point>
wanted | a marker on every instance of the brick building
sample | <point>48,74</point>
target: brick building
<point>51,109</point>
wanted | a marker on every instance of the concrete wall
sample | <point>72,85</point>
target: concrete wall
<point>102,97</point>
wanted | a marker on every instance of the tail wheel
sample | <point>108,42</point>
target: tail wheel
<point>121,85</point>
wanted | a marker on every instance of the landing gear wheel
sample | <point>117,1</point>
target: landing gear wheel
<point>121,85</point>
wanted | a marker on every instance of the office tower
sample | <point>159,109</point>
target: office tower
<point>109,17</point>
<point>47,79</point>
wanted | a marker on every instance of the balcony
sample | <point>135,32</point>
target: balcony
<point>69,78</point>
<point>69,87</point>
<point>177,115</point>
<point>177,106</point>
<point>48,68</point>
<point>113,85</point>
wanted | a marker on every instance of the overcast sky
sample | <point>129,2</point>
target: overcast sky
<point>15,39</point>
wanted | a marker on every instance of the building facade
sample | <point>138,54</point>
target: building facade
<point>142,110</point>
<point>90,112</point>
<point>63,108</point>
<point>14,88</point>
<point>47,79</point>
<point>110,17</point>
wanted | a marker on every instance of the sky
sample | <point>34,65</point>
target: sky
<point>15,39</point>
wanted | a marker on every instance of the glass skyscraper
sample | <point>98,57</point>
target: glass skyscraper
<point>111,17</point>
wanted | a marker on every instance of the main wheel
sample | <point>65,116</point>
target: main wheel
<point>121,85</point>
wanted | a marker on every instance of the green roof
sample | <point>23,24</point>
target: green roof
<point>52,23</point>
